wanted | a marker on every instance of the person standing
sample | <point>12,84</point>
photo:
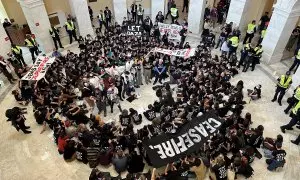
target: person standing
<point>233,44</point>
<point>147,70</point>
<point>296,61</point>
<point>244,53</point>
<point>18,53</point>
<point>295,114</point>
<point>6,69</point>
<point>148,25</point>
<point>257,55</point>
<point>91,12</point>
<point>159,17</point>
<point>283,84</point>
<point>15,115</point>
<point>101,18</point>
<point>71,30</point>
<point>54,32</point>
<point>250,32</point>
<point>292,101</point>
<point>159,71</point>
<point>293,38</point>
<point>31,43</point>
<point>170,4</point>
<point>262,36</point>
<point>140,14</point>
<point>185,5</point>
<point>108,15</point>
<point>133,11</point>
<point>183,34</point>
<point>263,20</point>
<point>174,13</point>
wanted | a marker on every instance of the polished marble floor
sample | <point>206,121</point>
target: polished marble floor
<point>35,156</point>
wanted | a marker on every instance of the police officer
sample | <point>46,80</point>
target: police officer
<point>233,44</point>
<point>296,61</point>
<point>55,36</point>
<point>133,11</point>
<point>250,32</point>
<point>293,100</point>
<point>262,36</point>
<point>31,43</point>
<point>71,29</point>
<point>284,82</point>
<point>174,13</point>
<point>244,53</point>
<point>295,114</point>
<point>17,52</point>
<point>256,56</point>
<point>140,14</point>
<point>101,18</point>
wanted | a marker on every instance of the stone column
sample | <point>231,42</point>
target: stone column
<point>196,15</point>
<point>156,6</point>
<point>120,10</point>
<point>237,13</point>
<point>5,42</point>
<point>80,10</point>
<point>296,78</point>
<point>281,25</point>
<point>38,22</point>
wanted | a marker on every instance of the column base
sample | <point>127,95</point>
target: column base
<point>271,59</point>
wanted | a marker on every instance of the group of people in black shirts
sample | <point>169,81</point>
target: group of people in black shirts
<point>108,70</point>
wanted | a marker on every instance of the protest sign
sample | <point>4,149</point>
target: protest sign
<point>134,30</point>
<point>172,29</point>
<point>168,148</point>
<point>185,53</point>
<point>39,68</point>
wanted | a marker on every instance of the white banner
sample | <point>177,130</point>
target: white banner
<point>172,29</point>
<point>185,53</point>
<point>39,68</point>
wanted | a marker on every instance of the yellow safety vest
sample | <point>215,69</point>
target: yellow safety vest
<point>16,50</point>
<point>70,26</point>
<point>286,83</point>
<point>101,17</point>
<point>29,44</point>
<point>298,55</point>
<point>234,41</point>
<point>174,12</point>
<point>263,33</point>
<point>51,32</point>
<point>140,11</point>
<point>258,50</point>
<point>247,46</point>
<point>250,29</point>
<point>295,109</point>
<point>297,94</point>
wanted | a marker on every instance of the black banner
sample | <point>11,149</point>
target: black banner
<point>135,30</point>
<point>168,148</point>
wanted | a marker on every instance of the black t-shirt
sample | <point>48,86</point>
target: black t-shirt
<point>125,120</point>
<point>81,155</point>
<point>150,114</point>
<point>279,154</point>
<point>220,171</point>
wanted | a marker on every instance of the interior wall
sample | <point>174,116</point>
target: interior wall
<point>146,4</point>
<point>100,5</point>
<point>11,7</point>
<point>3,13</point>
<point>57,5</point>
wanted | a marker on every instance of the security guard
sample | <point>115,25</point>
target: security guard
<point>55,36</point>
<point>284,82</point>
<point>17,52</point>
<point>244,53</point>
<point>140,14</point>
<point>101,18</point>
<point>233,44</point>
<point>295,114</point>
<point>293,100</point>
<point>174,13</point>
<point>257,55</point>
<point>262,36</point>
<point>250,32</point>
<point>71,29</point>
<point>296,61</point>
<point>31,43</point>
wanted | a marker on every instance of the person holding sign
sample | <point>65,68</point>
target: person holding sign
<point>140,14</point>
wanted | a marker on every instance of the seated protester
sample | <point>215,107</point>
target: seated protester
<point>120,161</point>
<point>219,168</point>
<point>40,114</point>
<point>256,93</point>
<point>269,145</point>
<point>62,141</point>
<point>135,116</point>
<point>125,119</point>
<point>168,127</point>
<point>198,168</point>
<point>49,119</point>
<point>278,158</point>
<point>93,155</point>
<point>18,97</point>
<point>254,137</point>
<point>81,153</point>
<point>244,123</point>
<point>96,175</point>
<point>69,151</point>
<point>165,115</point>
<point>106,154</point>
<point>135,163</point>
<point>171,172</point>
<point>243,167</point>
<point>150,114</point>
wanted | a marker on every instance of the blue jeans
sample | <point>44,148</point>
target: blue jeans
<point>273,164</point>
<point>268,153</point>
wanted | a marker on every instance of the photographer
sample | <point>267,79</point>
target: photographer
<point>17,118</point>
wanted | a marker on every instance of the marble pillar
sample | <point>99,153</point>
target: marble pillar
<point>237,13</point>
<point>196,15</point>
<point>120,10</point>
<point>5,42</point>
<point>281,25</point>
<point>156,6</point>
<point>80,11</point>
<point>38,22</point>
<point>296,78</point>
